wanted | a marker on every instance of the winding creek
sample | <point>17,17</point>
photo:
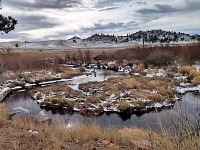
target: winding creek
<point>189,106</point>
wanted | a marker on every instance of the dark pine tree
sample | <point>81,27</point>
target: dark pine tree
<point>7,24</point>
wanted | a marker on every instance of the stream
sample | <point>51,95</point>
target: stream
<point>188,106</point>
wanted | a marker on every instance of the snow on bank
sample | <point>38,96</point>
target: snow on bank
<point>184,90</point>
<point>4,91</point>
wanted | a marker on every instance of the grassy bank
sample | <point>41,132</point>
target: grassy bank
<point>24,134</point>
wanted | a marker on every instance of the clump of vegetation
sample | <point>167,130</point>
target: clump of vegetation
<point>125,107</point>
<point>195,81</point>
<point>192,73</point>
<point>58,103</point>
<point>160,58</point>
<point>187,70</point>
<point>139,105</point>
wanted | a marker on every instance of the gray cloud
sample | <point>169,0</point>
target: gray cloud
<point>111,28</point>
<point>141,3</point>
<point>108,8</point>
<point>15,35</point>
<point>37,4</point>
<point>144,15</point>
<point>105,3</point>
<point>31,22</point>
<point>158,9</point>
<point>192,5</point>
<point>100,27</point>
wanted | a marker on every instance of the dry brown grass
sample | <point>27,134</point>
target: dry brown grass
<point>187,70</point>
<point>196,81</point>
<point>85,133</point>
<point>155,84</point>
<point>160,55</point>
<point>4,114</point>
<point>58,91</point>
<point>129,134</point>
<point>18,62</point>
<point>124,107</point>
<point>192,73</point>
<point>155,90</point>
<point>15,135</point>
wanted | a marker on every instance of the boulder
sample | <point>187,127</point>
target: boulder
<point>141,144</point>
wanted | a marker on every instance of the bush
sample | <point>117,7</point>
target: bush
<point>160,58</point>
<point>139,104</point>
<point>125,107</point>
<point>187,70</point>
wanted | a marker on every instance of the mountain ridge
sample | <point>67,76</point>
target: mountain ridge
<point>107,40</point>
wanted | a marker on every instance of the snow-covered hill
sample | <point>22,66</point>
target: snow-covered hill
<point>155,37</point>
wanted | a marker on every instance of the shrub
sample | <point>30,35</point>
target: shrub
<point>57,101</point>
<point>93,99</point>
<point>196,81</point>
<point>187,70</point>
<point>160,58</point>
<point>70,105</point>
<point>124,107</point>
<point>139,104</point>
<point>156,97</point>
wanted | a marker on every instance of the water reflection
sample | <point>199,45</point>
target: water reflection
<point>101,75</point>
<point>188,107</point>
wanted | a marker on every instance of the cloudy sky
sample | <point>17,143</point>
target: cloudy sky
<point>62,19</point>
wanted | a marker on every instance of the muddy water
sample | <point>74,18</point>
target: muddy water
<point>189,106</point>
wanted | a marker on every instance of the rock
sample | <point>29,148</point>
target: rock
<point>33,132</point>
<point>113,146</point>
<point>102,143</point>
<point>76,140</point>
<point>105,142</point>
<point>141,144</point>
<point>64,147</point>
<point>13,113</point>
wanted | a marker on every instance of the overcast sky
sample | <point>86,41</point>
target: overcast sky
<point>62,19</point>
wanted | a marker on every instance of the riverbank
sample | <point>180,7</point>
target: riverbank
<point>29,79</point>
<point>142,90</point>
<point>23,134</point>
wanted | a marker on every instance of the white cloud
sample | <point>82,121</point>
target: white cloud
<point>90,16</point>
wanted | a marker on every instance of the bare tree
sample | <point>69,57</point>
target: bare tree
<point>80,55</point>
<point>88,56</point>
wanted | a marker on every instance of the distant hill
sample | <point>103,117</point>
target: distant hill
<point>150,37</point>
